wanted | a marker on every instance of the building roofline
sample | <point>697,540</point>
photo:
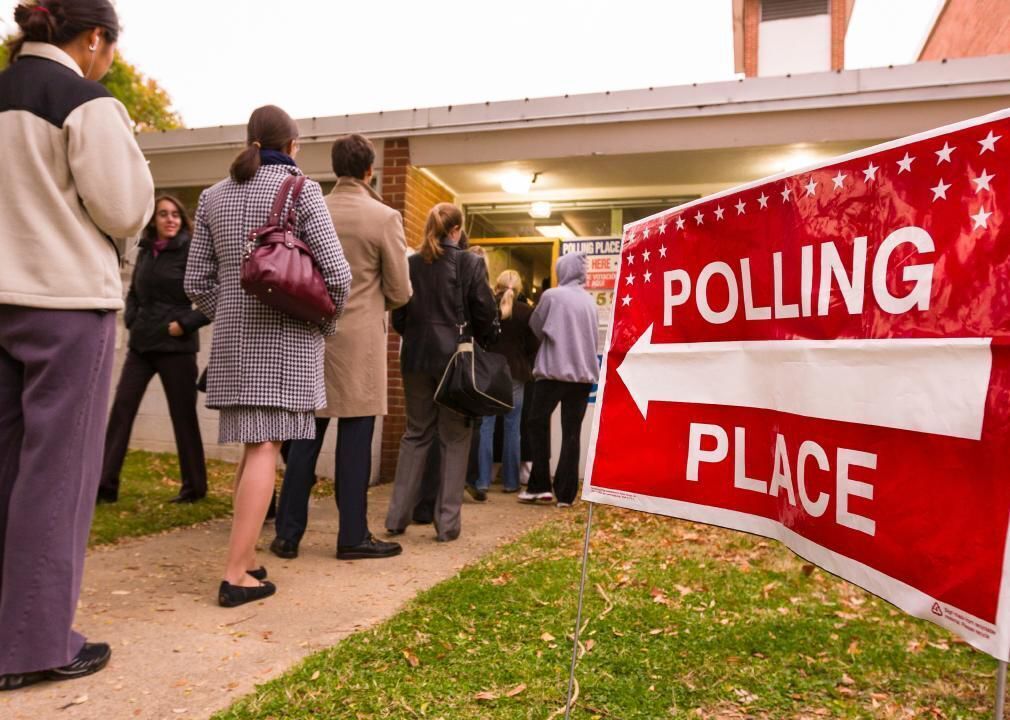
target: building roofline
<point>947,79</point>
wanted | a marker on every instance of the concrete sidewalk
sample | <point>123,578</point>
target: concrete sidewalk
<point>176,654</point>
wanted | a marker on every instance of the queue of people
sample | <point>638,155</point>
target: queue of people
<point>76,186</point>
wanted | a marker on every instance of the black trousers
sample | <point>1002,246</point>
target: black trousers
<point>178,373</point>
<point>574,398</point>
<point>353,472</point>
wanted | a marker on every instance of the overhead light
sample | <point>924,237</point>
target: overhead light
<point>540,210</point>
<point>556,231</point>
<point>795,160</point>
<point>516,183</point>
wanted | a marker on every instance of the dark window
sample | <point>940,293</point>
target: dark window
<point>783,9</point>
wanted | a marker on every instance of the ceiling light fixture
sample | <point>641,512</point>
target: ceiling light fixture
<point>556,231</point>
<point>540,210</point>
<point>516,183</point>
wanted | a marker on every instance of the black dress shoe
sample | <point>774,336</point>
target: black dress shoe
<point>284,548</point>
<point>229,595</point>
<point>91,658</point>
<point>181,499</point>
<point>259,573</point>
<point>106,495</point>
<point>476,493</point>
<point>371,548</point>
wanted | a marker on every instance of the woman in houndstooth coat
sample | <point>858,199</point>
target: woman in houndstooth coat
<point>266,368</point>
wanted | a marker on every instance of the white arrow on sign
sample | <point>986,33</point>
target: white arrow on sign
<point>931,385</point>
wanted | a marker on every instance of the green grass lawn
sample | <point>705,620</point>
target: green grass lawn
<point>682,621</point>
<point>149,481</point>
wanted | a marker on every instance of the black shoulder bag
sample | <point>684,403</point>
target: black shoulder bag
<point>476,383</point>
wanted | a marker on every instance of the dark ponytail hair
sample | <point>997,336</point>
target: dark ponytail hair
<point>270,128</point>
<point>58,22</point>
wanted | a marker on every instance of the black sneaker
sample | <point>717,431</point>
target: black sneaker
<point>284,548</point>
<point>229,595</point>
<point>476,493</point>
<point>371,548</point>
<point>91,658</point>
<point>105,495</point>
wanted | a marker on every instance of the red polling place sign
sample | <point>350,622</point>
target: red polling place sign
<point>821,357</point>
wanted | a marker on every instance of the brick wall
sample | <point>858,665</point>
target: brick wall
<point>751,21</point>
<point>839,23</point>
<point>423,193</point>
<point>969,28</point>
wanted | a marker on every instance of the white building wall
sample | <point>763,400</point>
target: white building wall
<point>794,46</point>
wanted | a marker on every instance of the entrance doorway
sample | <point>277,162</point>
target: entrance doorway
<point>532,257</point>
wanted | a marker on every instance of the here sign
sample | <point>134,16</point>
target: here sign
<point>820,357</point>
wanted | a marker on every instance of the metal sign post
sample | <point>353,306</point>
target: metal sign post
<point>1000,689</point>
<point>578,614</point>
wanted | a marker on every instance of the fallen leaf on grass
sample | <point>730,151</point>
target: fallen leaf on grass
<point>411,658</point>
<point>853,648</point>
<point>547,637</point>
<point>590,644</point>
<point>683,590</point>
<point>315,675</point>
<point>659,597</point>
<point>485,696</point>
<point>518,689</point>
<point>502,579</point>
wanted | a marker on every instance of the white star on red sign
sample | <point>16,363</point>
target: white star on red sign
<point>630,279</point>
<point>905,164</point>
<point>981,219</point>
<point>763,200</point>
<point>646,233</point>
<point>785,194</point>
<point>989,143</point>
<point>631,259</point>
<point>940,191</point>
<point>982,181</point>
<point>680,223</point>
<point>943,155</point>
<point>627,300</point>
<point>870,173</point>
<point>662,227</point>
<point>646,255</point>
<point>647,277</point>
<point>699,218</point>
<point>811,187</point>
<point>719,212</point>
<point>662,251</point>
<point>839,180</point>
<point>740,207</point>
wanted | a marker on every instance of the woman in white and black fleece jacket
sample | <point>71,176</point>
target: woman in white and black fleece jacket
<point>73,186</point>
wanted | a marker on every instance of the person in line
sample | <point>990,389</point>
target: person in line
<point>428,325</point>
<point>164,340</point>
<point>266,368</point>
<point>75,186</point>
<point>565,322</point>
<point>371,234</point>
<point>519,345</point>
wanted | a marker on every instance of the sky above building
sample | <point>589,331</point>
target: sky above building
<point>219,60</point>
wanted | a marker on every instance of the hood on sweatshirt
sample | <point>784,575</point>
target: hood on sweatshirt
<point>571,269</point>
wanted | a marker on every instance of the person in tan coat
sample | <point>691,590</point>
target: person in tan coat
<point>371,234</point>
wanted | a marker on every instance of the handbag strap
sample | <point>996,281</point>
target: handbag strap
<point>292,186</point>
<point>461,321</point>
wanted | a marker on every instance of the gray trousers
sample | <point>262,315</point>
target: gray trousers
<point>55,373</point>
<point>424,417</point>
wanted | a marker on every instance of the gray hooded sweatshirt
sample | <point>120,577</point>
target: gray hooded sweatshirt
<point>565,322</point>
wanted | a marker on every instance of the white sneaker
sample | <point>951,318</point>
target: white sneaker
<point>564,505</point>
<point>524,473</point>
<point>545,497</point>
<point>525,496</point>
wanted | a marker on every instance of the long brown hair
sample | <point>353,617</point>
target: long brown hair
<point>57,22</point>
<point>269,128</point>
<point>151,231</point>
<point>443,219</point>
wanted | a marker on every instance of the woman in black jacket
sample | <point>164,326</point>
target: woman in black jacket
<point>429,327</point>
<point>163,340</point>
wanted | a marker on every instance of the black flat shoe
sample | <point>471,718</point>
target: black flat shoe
<point>229,595</point>
<point>391,531</point>
<point>371,548</point>
<point>106,496</point>
<point>476,493</point>
<point>186,499</point>
<point>259,573</point>
<point>284,548</point>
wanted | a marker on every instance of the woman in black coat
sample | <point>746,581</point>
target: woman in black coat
<point>163,340</point>
<point>429,327</point>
